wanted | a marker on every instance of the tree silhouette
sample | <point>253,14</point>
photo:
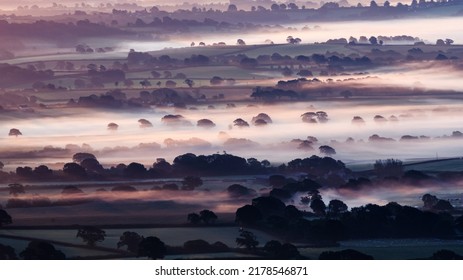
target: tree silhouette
<point>113,126</point>
<point>240,123</point>
<point>191,182</point>
<point>318,207</point>
<point>16,189</point>
<point>336,206</point>
<point>327,150</point>
<point>5,218</point>
<point>248,214</point>
<point>208,216</point>
<point>74,170</point>
<point>14,132</point>
<point>190,83</point>
<point>388,168</point>
<point>152,247</point>
<point>40,250</point>
<point>7,253</point>
<point>79,157</point>
<point>429,201</point>
<point>194,218</point>
<point>131,240</point>
<point>247,239</point>
<point>144,123</point>
<point>206,123</point>
<point>91,235</point>
<point>240,42</point>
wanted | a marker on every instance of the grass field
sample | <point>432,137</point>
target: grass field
<point>438,166</point>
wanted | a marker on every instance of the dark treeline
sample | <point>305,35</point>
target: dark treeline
<point>86,166</point>
<point>13,75</point>
<point>57,31</point>
<point>328,224</point>
<point>278,13</point>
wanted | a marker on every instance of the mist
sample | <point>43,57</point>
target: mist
<point>435,119</point>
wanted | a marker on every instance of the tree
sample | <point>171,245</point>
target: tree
<point>92,165</point>
<point>155,74</point>
<point>131,240</point>
<point>194,218</point>
<point>292,6</point>
<point>248,215</point>
<point>240,123</point>
<point>135,170</point>
<point>440,42</point>
<point>429,201</point>
<point>247,239</point>
<point>336,206</point>
<point>206,123</point>
<point>358,120</point>
<point>327,150</point>
<point>275,7</point>
<point>145,123</point>
<point>208,216</point>
<point>171,84</point>
<point>7,253</point>
<point>145,83</point>
<point>91,235</point>
<point>79,157</point>
<point>292,40</point>
<point>449,42</point>
<point>74,170</point>
<point>442,205</point>
<point>191,182</point>
<point>388,168</point>
<point>152,247</point>
<point>232,8</point>
<point>113,126</point>
<point>40,250</point>
<point>287,72</point>
<point>318,206</point>
<point>5,218</point>
<point>237,190</point>
<point>14,132</point>
<point>216,80</point>
<point>373,4</point>
<point>16,189</point>
<point>373,40</point>
<point>240,42</point>
<point>42,172</point>
<point>190,83</point>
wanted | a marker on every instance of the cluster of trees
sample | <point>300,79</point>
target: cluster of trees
<point>86,166</point>
<point>117,99</point>
<point>11,75</point>
<point>143,58</point>
<point>271,94</point>
<point>83,48</point>
<point>35,250</point>
<point>205,216</point>
<point>335,222</point>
